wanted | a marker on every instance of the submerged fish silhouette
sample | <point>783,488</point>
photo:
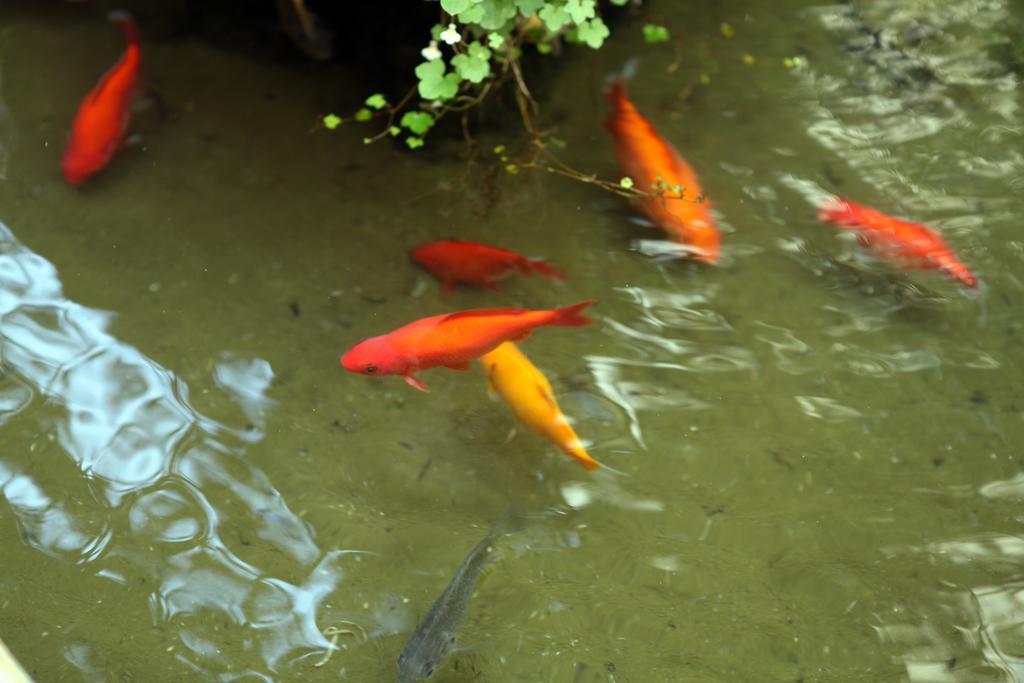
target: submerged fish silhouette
<point>434,637</point>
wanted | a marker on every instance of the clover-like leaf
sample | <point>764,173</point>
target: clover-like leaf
<point>654,33</point>
<point>376,101</point>
<point>474,65</point>
<point>414,142</point>
<point>528,7</point>
<point>419,122</point>
<point>580,10</point>
<point>363,114</point>
<point>593,32</point>
<point>434,83</point>
<point>473,15</point>
<point>554,17</point>
<point>332,121</point>
<point>496,13</point>
<point>394,131</point>
<point>626,182</point>
<point>455,6</point>
<point>495,40</point>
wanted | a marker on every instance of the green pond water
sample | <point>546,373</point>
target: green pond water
<point>818,457</point>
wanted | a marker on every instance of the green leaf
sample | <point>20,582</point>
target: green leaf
<point>626,182</point>
<point>620,3</point>
<point>474,65</point>
<point>414,142</point>
<point>473,15</point>
<point>419,122</point>
<point>593,32</point>
<point>544,48</point>
<point>496,13</point>
<point>495,40</point>
<point>654,33</point>
<point>332,121</point>
<point>376,101</point>
<point>554,17</point>
<point>394,131</point>
<point>528,7</point>
<point>455,6</point>
<point>435,31</point>
<point>434,83</point>
<point>363,114</point>
<point>580,10</point>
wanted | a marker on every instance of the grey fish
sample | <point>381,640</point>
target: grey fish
<point>434,637</point>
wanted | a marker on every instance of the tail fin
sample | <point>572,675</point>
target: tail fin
<point>615,83</point>
<point>629,70</point>
<point>959,272</point>
<point>544,268</point>
<point>124,21</point>
<point>569,316</point>
<point>835,210</point>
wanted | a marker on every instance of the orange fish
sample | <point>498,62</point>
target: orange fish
<point>528,392</point>
<point>102,119</point>
<point>650,161</point>
<point>911,245</point>
<point>451,340</point>
<point>455,261</point>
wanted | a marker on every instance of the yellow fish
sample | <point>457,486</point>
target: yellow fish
<point>528,392</point>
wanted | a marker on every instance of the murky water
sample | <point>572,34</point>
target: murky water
<point>819,455</point>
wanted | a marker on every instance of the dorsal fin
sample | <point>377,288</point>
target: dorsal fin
<point>483,312</point>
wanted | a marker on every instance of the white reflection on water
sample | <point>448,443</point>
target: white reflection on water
<point>127,424</point>
<point>989,616</point>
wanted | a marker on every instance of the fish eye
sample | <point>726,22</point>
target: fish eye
<point>370,369</point>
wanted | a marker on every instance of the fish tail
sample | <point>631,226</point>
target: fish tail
<point>544,268</point>
<point>569,316</point>
<point>579,453</point>
<point>124,21</point>
<point>834,210</point>
<point>838,211</point>
<point>615,83</point>
<point>960,273</point>
<point>629,70</point>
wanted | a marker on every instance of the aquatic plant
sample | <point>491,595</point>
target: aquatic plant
<point>475,48</point>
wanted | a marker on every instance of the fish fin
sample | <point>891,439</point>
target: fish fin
<point>124,21</point>
<point>483,312</point>
<point>548,398</point>
<point>578,453</point>
<point>569,316</point>
<point>546,269</point>
<point>416,384</point>
<point>461,367</point>
<point>522,336</point>
<point>835,210</point>
<point>629,70</point>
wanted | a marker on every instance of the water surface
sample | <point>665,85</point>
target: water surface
<point>820,471</point>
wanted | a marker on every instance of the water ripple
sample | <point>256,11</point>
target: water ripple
<point>127,424</point>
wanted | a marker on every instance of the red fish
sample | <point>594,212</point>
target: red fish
<point>455,261</point>
<point>911,245</point>
<point>451,340</point>
<point>649,160</point>
<point>102,119</point>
